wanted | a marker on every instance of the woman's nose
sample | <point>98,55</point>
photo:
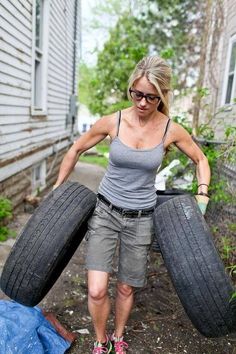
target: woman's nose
<point>143,101</point>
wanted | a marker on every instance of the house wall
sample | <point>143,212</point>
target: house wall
<point>19,130</point>
<point>220,115</point>
<point>26,138</point>
<point>18,187</point>
<point>216,67</point>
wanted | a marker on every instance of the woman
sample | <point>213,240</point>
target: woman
<point>126,197</point>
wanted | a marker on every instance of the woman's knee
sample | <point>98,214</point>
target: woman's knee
<point>97,285</point>
<point>124,290</point>
<point>97,293</point>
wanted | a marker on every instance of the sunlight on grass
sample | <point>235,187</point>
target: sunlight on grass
<point>102,148</point>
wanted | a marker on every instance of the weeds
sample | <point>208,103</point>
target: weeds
<point>5,216</point>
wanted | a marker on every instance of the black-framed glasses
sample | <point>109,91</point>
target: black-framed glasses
<point>138,96</point>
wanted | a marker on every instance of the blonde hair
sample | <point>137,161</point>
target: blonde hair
<point>158,73</point>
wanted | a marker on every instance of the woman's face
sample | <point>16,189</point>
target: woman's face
<point>145,97</point>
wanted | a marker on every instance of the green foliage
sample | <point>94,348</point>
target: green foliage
<point>227,248</point>
<point>233,296</point>
<point>167,29</point>
<point>101,159</point>
<point>203,92</point>
<point>95,160</point>
<point>4,232</point>
<point>174,30</point>
<point>5,208</point>
<point>103,147</point>
<point>232,226</point>
<point>108,84</point>
<point>216,155</point>
<point>87,76</point>
<point>5,215</point>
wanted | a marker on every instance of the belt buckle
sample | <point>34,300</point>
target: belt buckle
<point>123,212</point>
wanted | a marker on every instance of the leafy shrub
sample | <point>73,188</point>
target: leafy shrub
<point>5,215</point>
<point>217,156</point>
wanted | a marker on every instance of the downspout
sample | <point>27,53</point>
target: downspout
<point>75,39</point>
<point>73,96</point>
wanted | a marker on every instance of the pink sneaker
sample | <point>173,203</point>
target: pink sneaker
<point>119,345</point>
<point>102,348</point>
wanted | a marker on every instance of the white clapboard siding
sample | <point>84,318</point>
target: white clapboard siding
<point>58,111</point>
<point>58,104</point>
<point>21,119</point>
<point>21,9</point>
<point>28,134</point>
<point>17,63</point>
<point>22,164</point>
<point>11,81</point>
<point>58,67</point>
<point>19,131</point>
<point>14,101</point>
<point>11,110</point>
<point>9,70</point>
<point>18,11</point>
<point>16,24</point>
<point>11,45</point>
<point>7,90</point>
<point>60,64</point>
<point>10,28</point>
<point>56,97</point>
<point>29,126</point>
<point>26,4</point>
<point>44,138</point>
<point>62,81</point>
<point>59,13</point>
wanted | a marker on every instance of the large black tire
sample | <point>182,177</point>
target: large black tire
<point>195,267</point>
<point>162,197</point>
<point>47,243</point>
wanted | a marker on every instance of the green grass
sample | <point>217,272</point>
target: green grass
<point>95,160</point>
<point>102,148</point>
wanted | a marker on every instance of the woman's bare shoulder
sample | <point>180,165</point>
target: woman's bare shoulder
<point>176,132</point>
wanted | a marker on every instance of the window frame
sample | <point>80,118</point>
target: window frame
<point>42,54</point>
<point>232,41</point>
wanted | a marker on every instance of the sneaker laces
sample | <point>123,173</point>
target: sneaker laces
<point>100,349</point>
<point>120,345</point>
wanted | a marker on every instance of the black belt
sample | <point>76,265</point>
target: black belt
<point>125,212</point>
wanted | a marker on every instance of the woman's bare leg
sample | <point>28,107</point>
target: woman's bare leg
<point>98,301</point>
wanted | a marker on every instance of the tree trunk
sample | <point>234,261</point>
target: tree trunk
<point>202,64</point>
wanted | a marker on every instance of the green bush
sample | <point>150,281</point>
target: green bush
<point>217,156</point>
<point>5,215</point>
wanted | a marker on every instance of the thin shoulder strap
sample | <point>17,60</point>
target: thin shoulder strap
<point>167,126</point>
<point>118,122</point>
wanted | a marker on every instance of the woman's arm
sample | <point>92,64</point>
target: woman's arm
<point>184,142</point>
<point>89,139</point>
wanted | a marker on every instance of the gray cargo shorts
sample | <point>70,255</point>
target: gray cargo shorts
<point>106,229</point>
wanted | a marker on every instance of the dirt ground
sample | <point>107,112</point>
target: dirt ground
<point>158,323</point>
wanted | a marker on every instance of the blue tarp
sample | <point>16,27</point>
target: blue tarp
<point>24,330</point>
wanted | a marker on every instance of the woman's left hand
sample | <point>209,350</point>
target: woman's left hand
<point>202,202</point>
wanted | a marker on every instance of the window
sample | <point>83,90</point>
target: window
<point>39,176</point>
<point>229,91</point>
<point>40,57</point>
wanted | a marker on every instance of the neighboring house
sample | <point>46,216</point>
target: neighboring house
<point>220,75</point>
<point>85,119</point>
<point>220,67</point>
<point>39,42</point>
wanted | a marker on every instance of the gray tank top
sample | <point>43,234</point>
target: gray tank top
<point>130,176</point>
